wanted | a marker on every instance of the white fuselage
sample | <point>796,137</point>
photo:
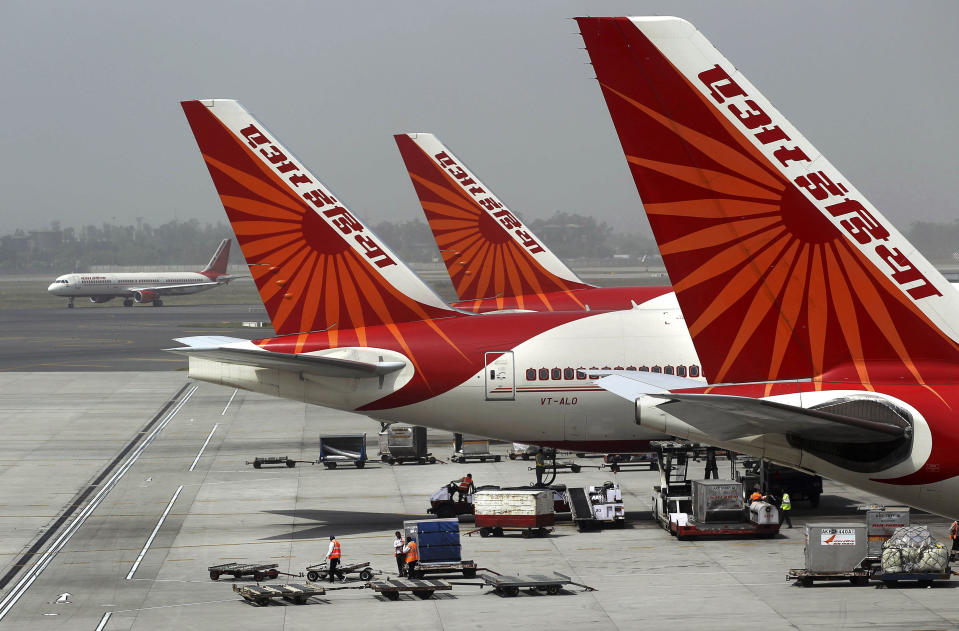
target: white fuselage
<point>96,284</point>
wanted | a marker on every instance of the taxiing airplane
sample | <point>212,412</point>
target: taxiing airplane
<point>832,344</point>
<point>357,330</point>
<point>494,260</point>
<point>133,287</point>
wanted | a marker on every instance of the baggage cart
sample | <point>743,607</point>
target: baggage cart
<point>443,504</point>
<point>466,568</point>
<point>529,511</point>
<point>321,571</point>
<point>400,444</point>
<point>262,461</point>
<point>261,595</point>
<point>258,571</point>
<point>923,579</point>
<point>806,578</point>
<point>345,448</point>
<point>391,587</point>
<point>466,448</point>
<point>510,585</point>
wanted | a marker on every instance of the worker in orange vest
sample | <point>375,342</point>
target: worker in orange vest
<point>755,497</point>
<point>465,487</point>
<point>412,556</point>
<point>954,535</point>
<point>333,555</point>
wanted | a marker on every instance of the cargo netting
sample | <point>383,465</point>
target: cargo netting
<point>913,549</point>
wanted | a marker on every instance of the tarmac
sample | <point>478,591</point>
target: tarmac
<point>121,487</point>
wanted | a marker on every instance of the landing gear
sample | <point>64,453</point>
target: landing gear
<point>70,303</point>
<point>128,302</point>
<point>157,303</point>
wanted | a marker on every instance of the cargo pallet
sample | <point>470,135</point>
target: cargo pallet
<point>391,588</point>
<point>924,579</point>
<point>258,571</point>
<point>510,585</point>
<point>321,571</point>
<point>261,595</point>
<point>467,568</point>
<point>806,578</point>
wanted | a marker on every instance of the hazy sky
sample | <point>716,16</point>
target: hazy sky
<point>94,132</point>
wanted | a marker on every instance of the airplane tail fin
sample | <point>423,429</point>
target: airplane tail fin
<point>316,265</point>
<point>488,251</point>
<point>217,265</point>
<point>781,267</point>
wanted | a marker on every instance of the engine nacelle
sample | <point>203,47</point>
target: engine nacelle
<point>100,299</point>
<point>145,295</point>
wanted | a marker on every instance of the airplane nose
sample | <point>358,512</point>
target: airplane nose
<point>53,288</point>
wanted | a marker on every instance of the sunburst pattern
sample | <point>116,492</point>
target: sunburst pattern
<point>308,276</point>
<point>770,288</point>
<point>483,260</point>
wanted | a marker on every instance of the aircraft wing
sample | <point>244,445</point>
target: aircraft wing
<point>227,350</point>
<point>165,290</point>
<point>727,417</point>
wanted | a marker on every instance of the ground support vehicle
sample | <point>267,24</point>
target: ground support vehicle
<point>442,503</point>
<point>392,587</point>
<point>400,444</point>
<point>776,479</point>
<point>466,568</point>
<point>595,506</point>
<point>257,571</point>
<point>261,595</point>
<point>511,585</point>
<point>621,462</point>
<point>345,448</point>
<point>321,571</point>
<point>704,508</point>
<point>262,461</point>
<point>924,579</point>
<point>806,578</point>
<point>476,448</point>
<point>529,511</point>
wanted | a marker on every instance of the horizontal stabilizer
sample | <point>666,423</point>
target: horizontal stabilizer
<point>218,349</point>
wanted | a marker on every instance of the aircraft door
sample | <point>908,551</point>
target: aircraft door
<point>500,379</point>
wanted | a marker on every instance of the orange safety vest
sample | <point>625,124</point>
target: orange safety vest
<point>755,497</point>
<point>954,530</point>
<point>412,554</point>
<point>465,484</point>
<point>335,554</point>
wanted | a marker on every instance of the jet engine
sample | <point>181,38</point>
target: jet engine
<point>145,295</point>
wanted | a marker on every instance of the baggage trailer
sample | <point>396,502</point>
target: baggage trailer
<point>257,571</point>
<point>442,503</point>
<point>806,578</point>
<point>261,461</point>
<point>345,448</point>
<point>529,511</point>
<point>392,587</point>
<point>321,571</point>
<point>466,448</point>
<point>400,444</point>
<point>510,585</point>
<point>467,568</point>
<point>923,579</point>
<point>261,595</point>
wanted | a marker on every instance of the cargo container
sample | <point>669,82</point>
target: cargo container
<point>346,448</point>
<point>436,539</point>
<point>881,523</point>
<point>528,510</point>
<point>404,443</point>
<point>835,548</point>
<point>717,501</point>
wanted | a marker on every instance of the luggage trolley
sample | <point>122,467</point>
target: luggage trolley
<point>466,448</point>
<point>258,571</point>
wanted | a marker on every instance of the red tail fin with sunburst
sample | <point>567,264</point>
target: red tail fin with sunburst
<point>782,268</point>
<point>315,264</point>
<point>488,251</point>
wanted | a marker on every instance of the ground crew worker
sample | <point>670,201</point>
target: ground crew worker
<point>756,496</point>
<point>398,544</point>
<point>784,507</point>
<point>954,535</point>
<point>711,463</point>
<point>333,555</point>
<point>465,486</point>
<point>540,466</point>
<point>412,556</point>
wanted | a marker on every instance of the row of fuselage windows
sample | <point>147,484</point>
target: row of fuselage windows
<point>569,374</point>
<point>154,281</point>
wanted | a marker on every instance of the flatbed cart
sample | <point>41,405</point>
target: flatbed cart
<point>499,531</point>
<point>258,571</point>
<point>806,578</point>
<point>261,595</point>
<point>392,587</point>
<point>510,585</point>
<point>924,579</point>
<point>472,448</point>
<point>321,571</point>
<point>467,568</point>
<point>261,461</point>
